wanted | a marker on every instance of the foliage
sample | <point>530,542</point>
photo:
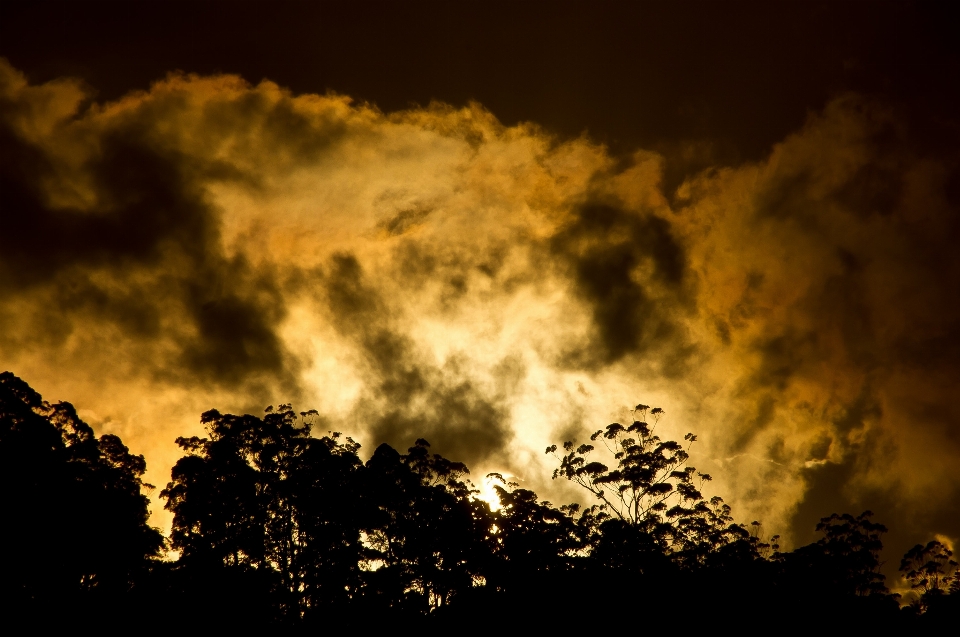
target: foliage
<point>261,494</point>
<point>277,526</point>
<point>846,560</point>
<point>650,487</point>
<point>76,519</point>
<point>932,573</point>
<point>427,534</point>
<point>531,539</point>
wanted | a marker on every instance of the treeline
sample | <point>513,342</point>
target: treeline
<point>277,527</point>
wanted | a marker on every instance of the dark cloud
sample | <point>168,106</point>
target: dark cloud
<point>409,395</point>
<point>630,270</point>
<point>405,220</point>
<point>144,259</point>
<point>835,282</point>
<point>827,489</point>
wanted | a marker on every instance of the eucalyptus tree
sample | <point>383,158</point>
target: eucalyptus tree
<point>932,574</point>
<point>648,490</point>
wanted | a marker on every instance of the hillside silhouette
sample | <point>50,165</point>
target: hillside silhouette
<point>277,526</point>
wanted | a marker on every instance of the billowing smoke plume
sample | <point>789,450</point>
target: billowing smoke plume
<point>431,273</point>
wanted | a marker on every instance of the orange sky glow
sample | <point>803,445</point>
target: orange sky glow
<point>431,271</point>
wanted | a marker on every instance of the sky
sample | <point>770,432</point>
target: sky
<point>498,226</point>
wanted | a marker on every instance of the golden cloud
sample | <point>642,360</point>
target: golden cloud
<point>431,272</point>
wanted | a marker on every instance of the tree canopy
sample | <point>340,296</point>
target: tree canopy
<point>276,524</point>
<point>75,515</point>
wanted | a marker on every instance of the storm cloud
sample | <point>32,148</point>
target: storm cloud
<point>432,273</point>
<point>829,273</point>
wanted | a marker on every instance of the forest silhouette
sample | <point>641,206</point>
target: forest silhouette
<point>277,526</point>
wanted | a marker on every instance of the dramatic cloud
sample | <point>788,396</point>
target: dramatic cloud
<point>432,273</point>
<point>829,275</point>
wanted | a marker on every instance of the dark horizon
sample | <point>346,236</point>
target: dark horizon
<point>277,525</point>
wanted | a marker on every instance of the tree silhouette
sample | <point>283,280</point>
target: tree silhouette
<point>274,506</point>
<point>932,573</point>
<point>535,545</point>
<point>533,537</point>
<point>276,526</point>
<point>650,491</point>
<point>837,578</point>
<point>428,535</point>
<point>75,518</point>
<point>847,558</point>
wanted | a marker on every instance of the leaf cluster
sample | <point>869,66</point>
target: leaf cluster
<point>648,484</point>
<point>932,573</point>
